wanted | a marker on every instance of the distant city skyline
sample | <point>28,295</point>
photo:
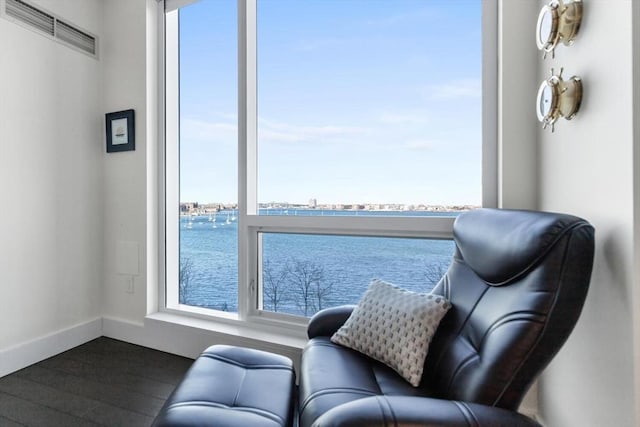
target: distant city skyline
<point>197,208</point>
<point>359,101</point>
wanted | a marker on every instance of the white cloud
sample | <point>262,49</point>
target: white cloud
<point>316,44</point>
<point>466,88</point>
<point>200,130</point>
<point>415,117</point>
<point>269,130</point>
<point>419,145</point>
<point>225,129</point>
<point>232,117</point>
<point>402,18</point>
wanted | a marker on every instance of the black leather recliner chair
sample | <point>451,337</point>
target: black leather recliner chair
<point>517,283</point>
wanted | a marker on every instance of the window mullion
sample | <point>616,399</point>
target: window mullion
<point>489,103</point>
<point>172,163</point>
<point>247,161</point>
<point>421,227</point>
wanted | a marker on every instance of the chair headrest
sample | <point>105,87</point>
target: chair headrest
<point>501,245</point>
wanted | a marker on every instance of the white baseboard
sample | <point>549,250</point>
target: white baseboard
<point>168,339</point>
<point>165,336</point>
<point>22,355</point>
<point>183,340</point>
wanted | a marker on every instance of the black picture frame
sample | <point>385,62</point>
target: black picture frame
<point>121,130</point>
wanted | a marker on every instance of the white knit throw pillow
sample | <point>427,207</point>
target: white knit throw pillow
<point>395,327</point>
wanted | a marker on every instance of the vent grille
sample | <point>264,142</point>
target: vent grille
<point>48,24</point>
<point>31,16</point>
<point>75,37</point>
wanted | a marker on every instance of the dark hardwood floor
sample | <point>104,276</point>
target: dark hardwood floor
<point>103,382</point>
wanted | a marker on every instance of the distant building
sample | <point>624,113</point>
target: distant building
<point>187,207</point>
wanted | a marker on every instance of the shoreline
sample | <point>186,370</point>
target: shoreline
<point>188,209</point>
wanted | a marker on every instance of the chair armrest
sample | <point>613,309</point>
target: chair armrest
<point>398,411</point>
<point>326,322</point>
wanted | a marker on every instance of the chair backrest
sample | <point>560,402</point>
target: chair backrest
<point>517,282</point>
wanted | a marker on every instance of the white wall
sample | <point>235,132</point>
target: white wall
<point>517,150</point>
<point>124,58</point>
<point>635,295</point>
<point>51,124</point>
<point>587,168</point>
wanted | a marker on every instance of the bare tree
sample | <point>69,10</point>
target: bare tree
<point>434,271</point>
<point>184,279</point>
<point>321,293</point>
<point>306,278</point>
<point>274,285</point>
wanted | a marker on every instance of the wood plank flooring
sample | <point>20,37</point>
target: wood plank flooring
<point>104,382</point>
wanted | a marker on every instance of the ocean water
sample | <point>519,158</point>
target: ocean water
<point>302,273</point>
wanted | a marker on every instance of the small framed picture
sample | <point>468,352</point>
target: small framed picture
<point>121,131</point>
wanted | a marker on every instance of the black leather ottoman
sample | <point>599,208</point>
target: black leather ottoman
<point>232,386</point>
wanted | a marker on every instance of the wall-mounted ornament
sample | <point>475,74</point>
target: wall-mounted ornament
<point>558,21</point>
<point>558,98</point>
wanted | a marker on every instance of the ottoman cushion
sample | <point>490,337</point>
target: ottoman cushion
<point>232,386</point>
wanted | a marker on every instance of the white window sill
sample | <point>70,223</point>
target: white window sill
<point>267,335</point>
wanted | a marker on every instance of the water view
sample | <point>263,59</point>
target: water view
<point>302,273</point>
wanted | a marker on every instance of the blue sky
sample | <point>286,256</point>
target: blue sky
<point>359,101</point>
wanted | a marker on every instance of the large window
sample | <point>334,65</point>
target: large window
<point>312,146</point>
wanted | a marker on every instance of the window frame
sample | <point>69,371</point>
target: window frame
<point>250,224</point>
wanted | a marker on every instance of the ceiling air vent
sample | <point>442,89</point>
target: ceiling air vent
<point>49,25</point>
